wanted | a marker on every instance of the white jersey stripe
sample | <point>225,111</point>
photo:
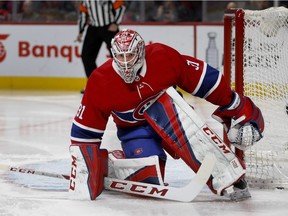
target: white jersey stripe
<point>201,79</point>
<point>85,140</point>
<point>87,128</point>
<point>215,86</point>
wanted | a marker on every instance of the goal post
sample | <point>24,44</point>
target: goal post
<point>256,65</point>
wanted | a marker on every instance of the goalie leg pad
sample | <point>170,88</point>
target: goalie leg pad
<point>88,169</point>
<point>145,169</point>
<point>182,129</point>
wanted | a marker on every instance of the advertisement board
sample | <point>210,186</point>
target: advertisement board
<point>50,51</point>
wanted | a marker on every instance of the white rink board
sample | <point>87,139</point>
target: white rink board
<point>51,50</point>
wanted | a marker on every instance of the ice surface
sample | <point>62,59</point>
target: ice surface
<point>34,133</point>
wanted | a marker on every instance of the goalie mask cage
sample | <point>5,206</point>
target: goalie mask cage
<point>256,65</point>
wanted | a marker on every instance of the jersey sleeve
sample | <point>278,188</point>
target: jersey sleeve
<point>90,120</point>
<point>204,81</point>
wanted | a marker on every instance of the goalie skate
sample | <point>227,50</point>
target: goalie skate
<point>238,192</point>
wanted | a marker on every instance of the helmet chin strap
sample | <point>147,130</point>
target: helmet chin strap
<point>137,78</point>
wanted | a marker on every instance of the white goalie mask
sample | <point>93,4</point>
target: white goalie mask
<point>128,50</point>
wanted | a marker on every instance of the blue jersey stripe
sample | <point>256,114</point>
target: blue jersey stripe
<point>82,133</point>
<point>209,81</point>
<point>125,116</point>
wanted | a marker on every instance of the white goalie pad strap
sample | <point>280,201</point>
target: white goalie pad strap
<point>201,140</point>
<point>134,169</point>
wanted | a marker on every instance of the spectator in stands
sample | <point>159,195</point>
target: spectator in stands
<point>28,13</point>
<point>189,11</point>
<point>4,11</point>
<point>283,4</point>
<point>258,5</point>
<point>52,11</point>
<point>50,5</point>
<point>265,4</point>
<point>72,11</point>
<point>167,12</point>
<point>231,4</point>
<point>141,11</point>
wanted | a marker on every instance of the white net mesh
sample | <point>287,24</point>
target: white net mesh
<point>265,76</point>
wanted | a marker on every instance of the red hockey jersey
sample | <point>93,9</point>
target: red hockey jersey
<point>107,94</point>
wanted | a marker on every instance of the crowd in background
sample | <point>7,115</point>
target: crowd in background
<point>136,11</point>
<point>38,11</point>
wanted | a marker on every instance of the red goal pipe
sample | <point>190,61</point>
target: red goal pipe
<point>231,17</point>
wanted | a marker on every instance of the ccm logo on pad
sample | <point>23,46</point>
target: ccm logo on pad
<point>215,139</point>
<point>137,188</point>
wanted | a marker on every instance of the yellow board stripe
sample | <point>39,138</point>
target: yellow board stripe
<point>42,83</point>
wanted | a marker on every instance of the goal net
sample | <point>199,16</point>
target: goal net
<point>256,65</point>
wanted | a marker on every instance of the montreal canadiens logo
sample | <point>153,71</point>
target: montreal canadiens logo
<point>138,151</point>
<point>143,106</point>
<point>2,47</point>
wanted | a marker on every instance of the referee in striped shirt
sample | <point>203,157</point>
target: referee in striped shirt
<point>102,18</point>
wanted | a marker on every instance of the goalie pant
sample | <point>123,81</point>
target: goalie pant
<point>188,137</point>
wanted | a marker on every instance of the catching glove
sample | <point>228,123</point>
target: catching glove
<point>242,120</point>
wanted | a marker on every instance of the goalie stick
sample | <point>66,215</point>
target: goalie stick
<point>183,194</point>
